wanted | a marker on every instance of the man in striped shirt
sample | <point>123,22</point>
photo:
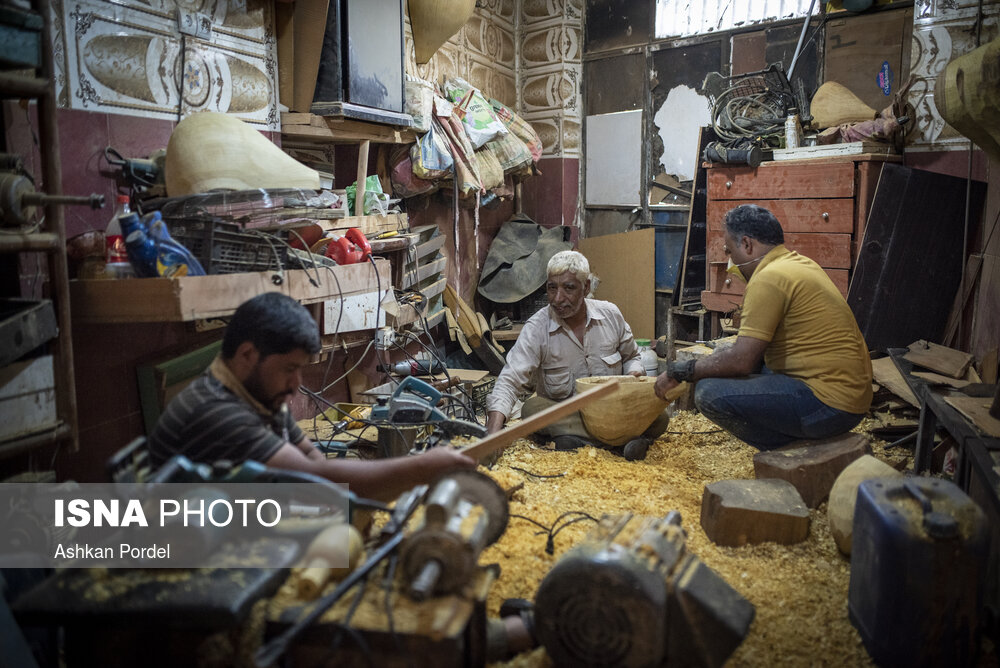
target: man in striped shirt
<point>237,409</point>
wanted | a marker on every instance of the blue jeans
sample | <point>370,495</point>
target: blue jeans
<point>769,410</point>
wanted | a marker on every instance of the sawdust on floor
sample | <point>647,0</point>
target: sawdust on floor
<point>799,591</point>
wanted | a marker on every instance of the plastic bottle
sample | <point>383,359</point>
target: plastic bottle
<point>793,129</point>
<point>115,255</point>
<point>650,362</point>
<point>153,252</point>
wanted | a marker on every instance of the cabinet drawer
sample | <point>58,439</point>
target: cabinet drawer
<point>830,251</point>
<point>717,278</point>
<point>770,181</point>
<point>795,215</point>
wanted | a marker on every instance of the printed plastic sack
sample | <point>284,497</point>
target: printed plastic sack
<point>466,166</point>
<point>481,124</point>
<point>419,102</point>
<point>431,155</point>
<point>490,170</point>
<point>404,182</point>
<point>512,153</point>
<point>520,128</point>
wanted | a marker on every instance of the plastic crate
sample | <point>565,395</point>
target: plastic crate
<point>222,248</point>
<point>480,390</point>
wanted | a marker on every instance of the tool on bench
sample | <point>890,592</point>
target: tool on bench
<point>414,402</point>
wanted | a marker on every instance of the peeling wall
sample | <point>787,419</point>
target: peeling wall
<point>684,18</point>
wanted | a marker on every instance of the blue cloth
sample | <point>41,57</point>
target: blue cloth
<point>769,410</point>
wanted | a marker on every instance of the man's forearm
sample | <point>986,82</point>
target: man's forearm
<point>723,364</point>
<point>495,420</point>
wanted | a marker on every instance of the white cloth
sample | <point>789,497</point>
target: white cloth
<point>547,357</point>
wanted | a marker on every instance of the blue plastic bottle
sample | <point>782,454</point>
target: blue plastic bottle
<point>153,252</point>
<point>172,258</point>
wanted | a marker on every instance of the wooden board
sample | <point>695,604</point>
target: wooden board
<point>625,265</point>
<point>937,379</point>
<point>977,409</point>
<point>505,437</point>
<point>886,374</point>
<point>857,47</point>
<point>910,262</point>
<point>947,361</point>
<point>197,297</point>
<point>828,150</point>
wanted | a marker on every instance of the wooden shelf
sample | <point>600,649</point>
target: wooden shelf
<point>57,434</point>
<point>299,129</point>
<point>193,298</point>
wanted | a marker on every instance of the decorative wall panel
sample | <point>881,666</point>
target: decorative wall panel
<point>483,53</point>
<point>550,73</point>
<point>130,59</point>
<point>942,31</point>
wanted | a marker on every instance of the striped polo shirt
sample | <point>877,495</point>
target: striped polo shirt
<point>207,422</point>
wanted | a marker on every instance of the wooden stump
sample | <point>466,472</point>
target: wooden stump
<point>742,512</point>
<point>811,466</point>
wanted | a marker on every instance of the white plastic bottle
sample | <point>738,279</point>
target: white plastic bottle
<point>648,357</point>
<point>115,256</point>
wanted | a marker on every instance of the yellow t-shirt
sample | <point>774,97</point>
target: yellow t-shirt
<point>792,303</point>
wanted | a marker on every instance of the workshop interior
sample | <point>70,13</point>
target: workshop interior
<point>409,172</point>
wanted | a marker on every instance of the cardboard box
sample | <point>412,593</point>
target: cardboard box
<point>27,397</point>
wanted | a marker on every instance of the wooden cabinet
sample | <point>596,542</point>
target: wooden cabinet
<point>822,206</point>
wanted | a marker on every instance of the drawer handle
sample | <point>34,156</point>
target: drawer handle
<point>826,216</point>
<point>729,184</point>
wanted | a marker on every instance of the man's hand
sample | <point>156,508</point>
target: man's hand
<point>445,458</point>
<point>637,374</point>
<point>664,383</point>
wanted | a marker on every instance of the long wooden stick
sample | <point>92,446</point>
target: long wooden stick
<point>505,437</point>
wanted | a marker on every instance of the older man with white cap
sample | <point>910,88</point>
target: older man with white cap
<point>573,337</point>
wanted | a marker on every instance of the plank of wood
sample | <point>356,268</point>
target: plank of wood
<point>466,317</point>
<point>972,266</point>
<point>505,437</point>
<point>977,409</point>
<point>942,359</point>
<point>887,375</point>
<point>429,246</point>
<point>937,379</point>
<point>828,150</point>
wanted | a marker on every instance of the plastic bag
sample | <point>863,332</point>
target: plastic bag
<point>431,156</point>
<point>490,170</point>
<point>512,153</point>
<point>376,201</point>
<point>419,102</point>
<point>404,182</point>
<point>481,123</point>
<point>520,128</point>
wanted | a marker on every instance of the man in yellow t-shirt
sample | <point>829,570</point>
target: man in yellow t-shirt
<point>816,377</point>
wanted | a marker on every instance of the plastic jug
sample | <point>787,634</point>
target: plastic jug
<point>650,362</point>
<point>153,252</point>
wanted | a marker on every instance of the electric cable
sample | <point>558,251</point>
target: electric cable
<point>553,531</point>
<point>538,475</point>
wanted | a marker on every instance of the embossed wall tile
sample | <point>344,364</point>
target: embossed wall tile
<point>491,81</point>
<point>489,39</point>
<point>129,60</point>
<point>941,32</point>
<point>556,90</point>
<point>555,44</point>
<point>548,127</point>
<point>535,10</point>
<point>571,136</point>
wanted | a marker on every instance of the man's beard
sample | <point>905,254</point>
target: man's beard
<point>255,387</point>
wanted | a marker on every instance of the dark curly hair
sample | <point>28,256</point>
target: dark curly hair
<point>756,222</point>
<point>274,323</point>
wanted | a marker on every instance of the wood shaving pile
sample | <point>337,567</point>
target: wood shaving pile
<point>799,591</point>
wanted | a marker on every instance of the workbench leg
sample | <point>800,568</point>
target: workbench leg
<point>925,439</point>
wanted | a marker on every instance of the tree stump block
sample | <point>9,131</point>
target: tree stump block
<point>812,466</point>
<point>742,512</point>
<point>844,495</point>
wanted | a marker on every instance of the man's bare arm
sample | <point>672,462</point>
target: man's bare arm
<point>741,359</point>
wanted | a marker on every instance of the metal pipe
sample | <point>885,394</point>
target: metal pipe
<point>802,37</point>
<point>94,201</point>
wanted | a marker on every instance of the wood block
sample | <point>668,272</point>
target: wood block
<point>887,375</point>
<point>942,359</point>
<point>811,466</point>
<point>747,512</point>
<point>844,494</point>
